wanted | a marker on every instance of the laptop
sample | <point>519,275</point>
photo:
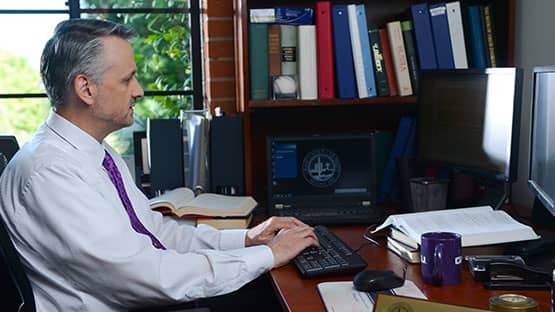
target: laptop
<point>323,179</point>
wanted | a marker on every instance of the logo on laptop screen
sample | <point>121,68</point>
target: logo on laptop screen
<point>321,167</point>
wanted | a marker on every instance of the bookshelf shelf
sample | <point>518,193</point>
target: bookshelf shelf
<point>392,100</point>
<point>271,117</point>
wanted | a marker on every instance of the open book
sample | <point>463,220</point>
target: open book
<point>477,225</point>
<point>182,202</point>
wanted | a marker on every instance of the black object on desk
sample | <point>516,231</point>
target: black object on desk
<point>377,280</point>
<point>333,257</point>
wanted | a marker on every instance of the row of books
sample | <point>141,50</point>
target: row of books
<point>342,55</point>
<point>449,36</point>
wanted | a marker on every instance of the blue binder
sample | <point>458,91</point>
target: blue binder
<point>442,39</point>
<point>366,54</point>
<point>423,35</point>
<point>477,49</point>
<point>345,68</point>
<point>405,131</point>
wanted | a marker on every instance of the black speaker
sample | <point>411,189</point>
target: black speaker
<point>227,161</point>
<point>165,149</point>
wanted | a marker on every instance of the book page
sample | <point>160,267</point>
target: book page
<point>177,197</point>
<point>220,205</point>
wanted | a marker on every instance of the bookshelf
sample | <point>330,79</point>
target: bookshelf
<point>263,118</point>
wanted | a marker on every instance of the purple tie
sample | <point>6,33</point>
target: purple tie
<point>115,176</point>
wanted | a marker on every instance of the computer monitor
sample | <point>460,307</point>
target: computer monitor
<point>541,166</point>
<point>469,120</point>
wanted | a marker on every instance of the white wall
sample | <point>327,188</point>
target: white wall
<point>534,45</point>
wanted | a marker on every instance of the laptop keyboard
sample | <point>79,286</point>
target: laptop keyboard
<point>331,258</point>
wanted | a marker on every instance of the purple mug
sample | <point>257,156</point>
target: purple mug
<point>441,259</point>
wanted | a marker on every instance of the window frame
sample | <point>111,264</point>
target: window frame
<point>74,11</point>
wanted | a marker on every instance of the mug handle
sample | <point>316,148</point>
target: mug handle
<point>438,263</point>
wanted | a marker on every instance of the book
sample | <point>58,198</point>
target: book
<point>274,50</point>
<point>456,32</point>
<point>398,53</point>
<point>343,54</point>
<point>324,49</point>
<point>226,223</point>
<point>410,50</point>
<point>382,85</point>
<point>288,35</point>
<point>364,69</point>
<point>282,15</point>
<point>477,225</point>
<point>477,50</point>
<point>258,62</point>
<point>403,238</point>
<point>488,35</point>
<point>342,296</point>
<point>410,254</point>
<point>308,73</point>
<point>442,39</point>
<point>423,34</point>
<point>183,202</point>
<point>388,61</point>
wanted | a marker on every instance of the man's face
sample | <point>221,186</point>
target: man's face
<point>118,87</point>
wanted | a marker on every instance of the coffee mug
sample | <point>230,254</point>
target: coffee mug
<point>441,259</point>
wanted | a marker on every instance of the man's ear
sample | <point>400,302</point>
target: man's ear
<point>84,88</point>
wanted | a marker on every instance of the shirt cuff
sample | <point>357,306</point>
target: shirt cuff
<point>259,258</point>
<point>232,239</point>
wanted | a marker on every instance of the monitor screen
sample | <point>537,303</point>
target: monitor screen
<point>322,166</point>
<point>541,169</point>
<point>469,120</point>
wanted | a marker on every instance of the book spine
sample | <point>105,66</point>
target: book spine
<point>274,50</point>
<point>442,40</point>
<point>288,35</point>
<point>412,59</point>
<point>324,49</point>
<point>366,51</point>
<point>382,85</point>
<point>399,58</point>
<point>388,61</point>
<point>258,62</point>
<point>343,54</point>
<point>456,32</point>
<point>357,51</point>
<point>475,35</point>
<point>490,39</point>
<point>423,35</point>
<point>308,74</point>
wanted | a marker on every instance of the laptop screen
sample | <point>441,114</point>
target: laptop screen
<point>311,170</point>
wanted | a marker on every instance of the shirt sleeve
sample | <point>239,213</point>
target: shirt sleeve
<point>82,227</point>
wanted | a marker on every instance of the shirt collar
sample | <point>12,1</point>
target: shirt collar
<point>75,136</point>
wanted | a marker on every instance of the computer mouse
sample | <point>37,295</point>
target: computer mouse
<point>376,280</point>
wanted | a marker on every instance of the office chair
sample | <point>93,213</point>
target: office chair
<point>8,147</point>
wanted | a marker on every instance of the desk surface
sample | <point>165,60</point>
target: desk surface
<point>298,294</point>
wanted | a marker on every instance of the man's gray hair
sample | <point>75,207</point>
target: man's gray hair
<point>76,48</point>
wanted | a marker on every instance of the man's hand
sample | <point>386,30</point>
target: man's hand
<point>288,243</point>
<point>267,230</point>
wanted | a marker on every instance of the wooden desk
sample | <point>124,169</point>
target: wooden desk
<point>298,294</point>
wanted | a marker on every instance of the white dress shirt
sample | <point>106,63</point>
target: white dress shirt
<point>77,244</point>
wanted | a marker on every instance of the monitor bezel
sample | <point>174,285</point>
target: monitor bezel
<point>511,171</point>
<point>532,185</point>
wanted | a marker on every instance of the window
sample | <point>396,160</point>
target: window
<point>167,53</point>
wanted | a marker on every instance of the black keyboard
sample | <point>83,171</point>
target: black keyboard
<point>331,258</point>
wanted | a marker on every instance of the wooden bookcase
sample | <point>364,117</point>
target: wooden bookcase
<point>263,118</point>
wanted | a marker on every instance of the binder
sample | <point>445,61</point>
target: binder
<point>308,75</point>
<point>442,39</point>
<point>364,69</point>
<point>344,66</point>
<point>423,35</point>
<point>456,31</point>
<point>324,50</point>
<point>477,48</point>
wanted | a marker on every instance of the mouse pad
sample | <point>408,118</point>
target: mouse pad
<point>342,296</point>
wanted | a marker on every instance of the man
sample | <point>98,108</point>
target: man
<point>85,232</point>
